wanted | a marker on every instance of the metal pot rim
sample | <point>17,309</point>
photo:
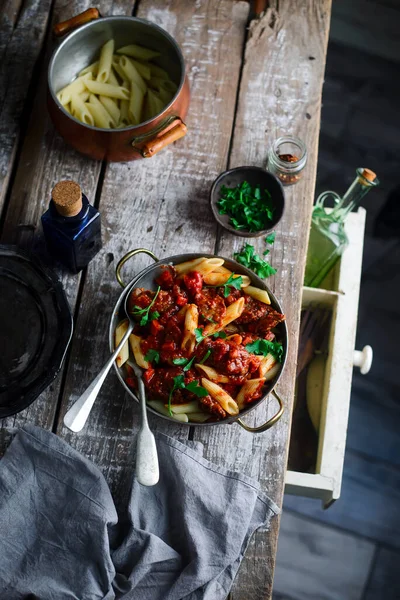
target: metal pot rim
<point>240,269</point>
<point>131,128</point>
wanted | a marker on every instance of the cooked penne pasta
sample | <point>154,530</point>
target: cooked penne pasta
<point>219,278</point>
<point>155,105</point>
<point>107,89</point>
<point>112,108</point>
<point>112,78</point>
<point>73,89</point>
<point>120,331</point>
<point>80,110</point>
<point>100,116</point>
<point>131,73</point>
<point>247,391</point>
<point>84,96</point>
<point>233,312</point>
<point>187,408</point>
<point>273,372</point>
<point>134,342</point>
<point>142,69</point>
<point>261,295</point>
<point>138,52</point>
<point>212,374</point>
<point>106,55</point>
<point>159,407</point>
<point>135,104</point>
<point>199,417</point>
<point>165,84</point>
<point>93,69</point>
<point>207,265</point>
<point>221,396</point>
<point>157,71</point>
<point>191,323</point>
<point>267,362</point>
<point>189,265</point>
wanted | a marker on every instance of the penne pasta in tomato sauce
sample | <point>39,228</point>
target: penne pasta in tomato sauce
<point>207,350</point>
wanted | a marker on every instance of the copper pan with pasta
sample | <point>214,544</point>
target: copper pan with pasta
<point>117,87</point>
<point>211,339</point>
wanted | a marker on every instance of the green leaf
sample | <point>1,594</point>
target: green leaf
<point>197,389</point>
<point>144,313</point>
<point>178,383</point>
<point>189,364</point>
<point>153,356</point>
<point>154,315</point>
<point>199,335</point>
<point>251,260</point>
<point>265,347</point>
<point>249,207</point>
<point>180,361</point>
<point>207,355</point>
<point>220,334</point>
<point>270,238</point>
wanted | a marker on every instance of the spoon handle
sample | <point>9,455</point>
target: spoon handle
<point>147,470</point>
<point>77,415</point>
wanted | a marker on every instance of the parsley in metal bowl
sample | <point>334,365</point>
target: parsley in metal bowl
<point>248,201</point>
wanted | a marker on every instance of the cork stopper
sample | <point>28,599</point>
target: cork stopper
<point>67,198</point>
<point>367,174</point>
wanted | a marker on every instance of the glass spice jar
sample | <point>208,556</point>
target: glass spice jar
<point>287,159</point>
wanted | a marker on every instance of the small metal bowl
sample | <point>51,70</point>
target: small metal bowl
<point>254,176</point>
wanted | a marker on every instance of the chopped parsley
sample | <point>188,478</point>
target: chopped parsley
<point>248,258</point>
<point>184,361</point>
<point>144,313</point>
<point>232,281</point>
<point>153,356</point>
<point>249,208</point>
<point>179,384</point>
<point>200,337</point>
<point>265,347</point>
<point>270,238</point>
<point>219,334</point>
<point>207,355</point>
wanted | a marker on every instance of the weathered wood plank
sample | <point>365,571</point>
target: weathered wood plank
<point>162,204</point>
<point>280,93</point>
<point>315,561</point>
<point>44,160</point>
<point>23,27</point>
<point>369,502</point>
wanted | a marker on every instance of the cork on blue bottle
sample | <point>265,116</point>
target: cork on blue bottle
<point>71,226</point>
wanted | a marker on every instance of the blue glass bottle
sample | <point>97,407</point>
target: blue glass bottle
<point>71,226</point>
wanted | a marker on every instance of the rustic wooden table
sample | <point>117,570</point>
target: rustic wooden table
<point>251,81</point>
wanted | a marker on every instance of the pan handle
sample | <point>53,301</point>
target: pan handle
<point>269,423</point>
<point>129,255</point>
<point>167,133</point>
<point>64,27</point>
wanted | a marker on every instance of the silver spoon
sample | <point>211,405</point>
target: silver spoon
<point>147,470</point>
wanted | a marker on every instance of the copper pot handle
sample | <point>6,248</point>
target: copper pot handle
<point>269,423</point>
<point>127,256</point>
<point>175,130</point>
<point>64,27</point>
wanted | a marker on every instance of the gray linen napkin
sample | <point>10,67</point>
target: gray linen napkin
<point>60,537</point>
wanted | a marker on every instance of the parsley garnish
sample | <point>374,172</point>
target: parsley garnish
<point>153,356</point>
<point>199,335</point>
<point>251,260</point>
<point>249,208</point>
<point>270,238</point>
<point>232,281</point>
<point>193,386</point>
<point>219,334</point>
<point>203,360</point>
<point>265,347</point>
<point>184,361</point>
<point>179,383</point>
<point>144,313</point>
<point>197,389</point>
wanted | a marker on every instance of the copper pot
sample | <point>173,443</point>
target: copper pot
<point>79,49</point>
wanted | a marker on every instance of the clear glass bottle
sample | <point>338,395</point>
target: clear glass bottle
<point>71,226</point>
<point>287,159</point>
<point>328,238</point>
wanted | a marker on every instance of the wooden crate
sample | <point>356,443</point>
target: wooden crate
<point>340,292</point>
